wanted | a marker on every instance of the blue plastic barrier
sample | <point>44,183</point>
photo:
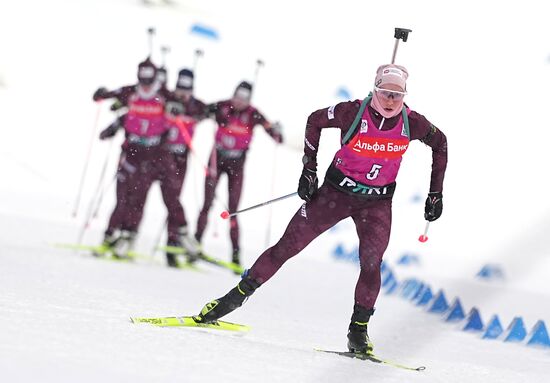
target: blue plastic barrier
<point>388,279</point>
<point>422,286</point>
<point>409,288</point>
<point>408,260</point>
<point>440,304</point>
<point>539,335</point>
<point>456,312</point>
<point>490,272</point>
<point>473,321</point>
<point>426,297</point>
<point>392,287</point>
<point>339,251</point>
<point>494,329</point>
<point>516,331</point>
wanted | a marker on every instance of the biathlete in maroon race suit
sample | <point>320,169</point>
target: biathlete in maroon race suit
<point>359,183</point>
<point>144,157</point>
<point>181,118</point>
<point>236,120</point>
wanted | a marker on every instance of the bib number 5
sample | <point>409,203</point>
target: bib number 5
<point>374,172</point>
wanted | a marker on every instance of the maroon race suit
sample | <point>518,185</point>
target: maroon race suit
<point>144,158</point>
<point>181,118</point>
<point>341,197</point>
<point>233,136</point>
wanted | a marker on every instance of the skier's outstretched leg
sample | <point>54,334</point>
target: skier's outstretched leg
<point>311,220</point>
<point>234,299</point>
<point>235,186</point>
<point>210,183</point>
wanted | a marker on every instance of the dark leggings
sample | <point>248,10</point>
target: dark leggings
<point>234,170</point>
<point>372,220</point>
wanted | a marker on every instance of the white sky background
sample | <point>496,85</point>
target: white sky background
<point>478,70</point>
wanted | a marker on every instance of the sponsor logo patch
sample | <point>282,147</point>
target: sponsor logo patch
<point>331,112</point>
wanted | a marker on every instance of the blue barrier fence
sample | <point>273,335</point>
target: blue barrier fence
<point>421,294</point>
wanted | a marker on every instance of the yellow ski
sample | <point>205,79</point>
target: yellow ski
<point>189,321</point>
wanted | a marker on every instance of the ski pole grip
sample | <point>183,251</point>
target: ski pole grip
<point>402,34</point>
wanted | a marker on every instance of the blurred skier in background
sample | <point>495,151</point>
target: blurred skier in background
<point>144,158</point>
<point>359,183</point>
<point>236,119</point>
<point>182,116</point>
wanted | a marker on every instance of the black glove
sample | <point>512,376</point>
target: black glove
<point>308,184</point>
<point>277,132</point>
<point>433,207</point>
<point>110,131</point>
<point>99,94</point>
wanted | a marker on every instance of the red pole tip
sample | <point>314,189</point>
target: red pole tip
<point>423,238</point>
<point>224,214</point>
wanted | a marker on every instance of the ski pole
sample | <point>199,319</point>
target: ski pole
<point>159,237</point>
<point>164,50</point>
<point>150,33</point>
<point>400,34</point>
<point>270,210</point>
<point>424,237</point>
<point>100,197</point>
<point>259,64</point>
<point>99,192</point>
<point>208,169</point>
<point>89,216</point>
<point>198,53</point>
<point>87,159</point>
<point>225,214</point>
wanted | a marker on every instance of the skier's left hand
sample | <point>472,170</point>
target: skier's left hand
<point>116,105</point>
<point>434,206</point>
<point>110,131</point>
<point>277,132</point>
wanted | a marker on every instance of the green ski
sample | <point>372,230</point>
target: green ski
<point>101,251</point>
<point>189,321</point>
<point>372,358</point>
<point>204,257</point>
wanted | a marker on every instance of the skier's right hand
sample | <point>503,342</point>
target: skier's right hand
<point>110,131</point>
<point>99,94</point>
<point>308,184</point>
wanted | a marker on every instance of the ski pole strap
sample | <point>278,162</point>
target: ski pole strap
<point>353,127</point>
<point>406,121</point>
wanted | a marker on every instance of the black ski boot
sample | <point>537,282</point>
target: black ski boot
<point>124,245</point>
<point>234,299</point>
<point>358,338</point>
<point>171,258</point>
<point>190,244</point>
<point>236,258</point>
<point>109,241</point>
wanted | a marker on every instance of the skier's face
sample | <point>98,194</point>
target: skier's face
<point>145,87</point>
<point>390,96</point>
<point>241,98</point>
<point>240,103</point>
<point>185,94</point>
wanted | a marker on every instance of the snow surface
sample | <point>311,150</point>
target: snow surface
<point>477,71</point>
